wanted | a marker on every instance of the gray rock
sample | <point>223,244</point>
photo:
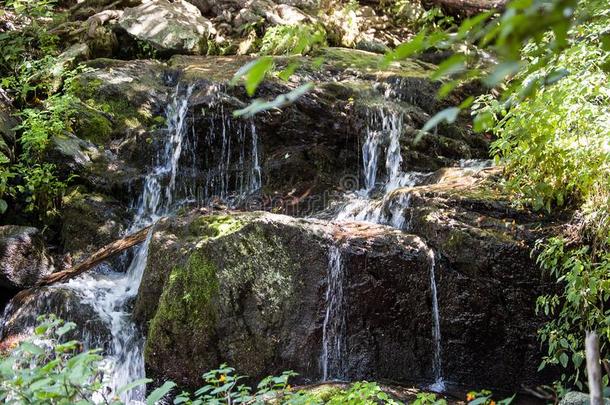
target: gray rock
<point>23,257</point>
<point>248,289</point>
<point>7,123</point>
<point>578,398</point>
<point>20,316</point>
<point>171,28</point>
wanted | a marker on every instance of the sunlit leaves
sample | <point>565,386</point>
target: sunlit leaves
<point>454,64</point>
<point>253,73</point>
<point>280,101</point>
<point>448,115</point>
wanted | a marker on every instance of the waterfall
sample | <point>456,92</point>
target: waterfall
<point>437,366</point>
<point>382,127</point>
<point>110,293</point>
<point>171,181</point>
<point>385,128</point>
<point>226,159</point>
<point>334,333</point>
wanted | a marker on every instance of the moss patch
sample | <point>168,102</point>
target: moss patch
<point>187,304</point>
<point>368,62</point>
<point>93,127</point>
<point>214,226</point>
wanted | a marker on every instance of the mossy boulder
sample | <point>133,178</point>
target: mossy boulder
<point>248,290</point>
<point>89,222</point>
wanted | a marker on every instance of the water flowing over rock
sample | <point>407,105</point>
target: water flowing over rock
<point>249,290</point>
<point>333,328</point>
<point>410,265</point>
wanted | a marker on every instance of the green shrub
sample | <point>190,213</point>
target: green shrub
<point>47,368</point>
<point>292,39</point>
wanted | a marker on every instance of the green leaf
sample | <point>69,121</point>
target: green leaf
<point>133,384</point>
<point>501,72</point>
<point>453,64</point>
<point>448,115</point>
<point>563,359</point>
<point>31,348</point>
<point>253,73</point>
<point>67,327</point>
<point>288,71</point>
<point>407,49</point>
<point>160,392</point>
<point>280,101</point>
<point>3,206</point>
<point>483,121</point>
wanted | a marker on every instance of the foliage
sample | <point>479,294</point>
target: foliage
<point>48,369</point>
<point>31,70</point>
<point>579,307</point>
<point>223,386</point>
<point>293,39</point>
<point>412,14</point>
<point>428,398</point>
<point>555,144</point>
<point>484,397</point>
<point>552,135</point>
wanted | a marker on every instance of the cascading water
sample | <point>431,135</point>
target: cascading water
<point>437,366</point>
<point>110,293</point>
<point>386,128</point>
<point>231,173</point>
<point>334,334</point>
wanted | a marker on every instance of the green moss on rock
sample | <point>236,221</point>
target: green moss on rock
<point>214,226</point>
<point>93,127</point>
<point>187,303</point>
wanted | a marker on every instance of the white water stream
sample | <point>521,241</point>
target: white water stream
<point>384,128</point>
<point>334,333</point>
<point>111,291</point>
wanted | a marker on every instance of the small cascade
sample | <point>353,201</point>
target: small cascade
<point>110,293</point>
<point>437,366</point>
<point>232,158</point>
<point>334,333</point>
<point>385,129</point>
<point>230,170</point>
<point>382,127</point>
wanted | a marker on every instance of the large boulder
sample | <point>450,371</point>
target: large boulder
<point>23,257</point>
<point>21,315</point>
<point>488,282</point>
<point>249,290</point>
<point>170,28</point>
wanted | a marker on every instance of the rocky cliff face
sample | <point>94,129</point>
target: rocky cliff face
<point>252,289</point>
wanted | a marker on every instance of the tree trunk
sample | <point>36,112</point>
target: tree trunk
<point>594,371</point>
<point>98,257</point>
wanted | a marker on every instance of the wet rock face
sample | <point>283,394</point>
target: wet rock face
<point>305,151</point>
<point>249,290</point>
<point>20,316</point>
<point>23,257</point>
<point>487,281</point>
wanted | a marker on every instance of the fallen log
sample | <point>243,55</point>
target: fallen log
<point>104,253</point>
<point>466,8</point>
